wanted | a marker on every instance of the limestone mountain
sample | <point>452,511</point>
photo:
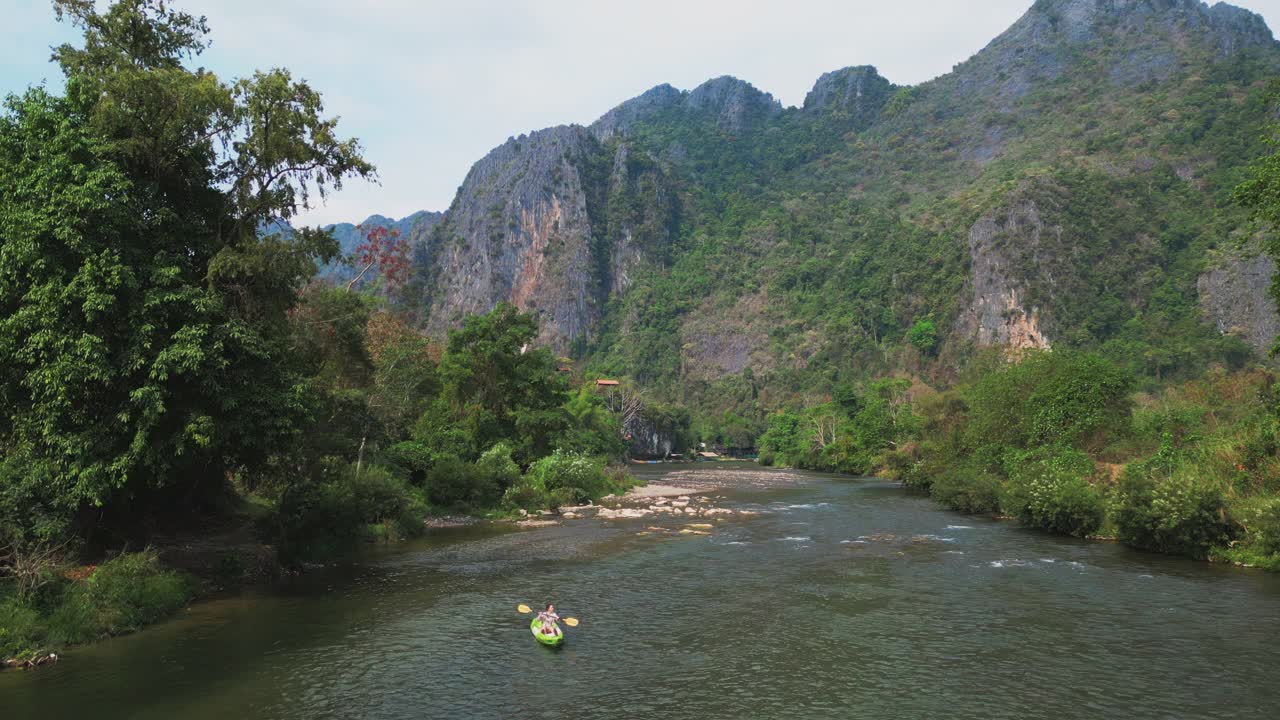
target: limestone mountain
<point>1065,186</point>
<point>555,222</point>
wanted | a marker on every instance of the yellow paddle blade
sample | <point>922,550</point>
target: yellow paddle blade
<point>571,622</point>
<point>522,608</point>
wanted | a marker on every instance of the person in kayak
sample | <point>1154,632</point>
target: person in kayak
<point>549,620</point>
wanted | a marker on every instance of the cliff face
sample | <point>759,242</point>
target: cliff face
<point>997,313</point>
<point>1235,297</point>
<point>858,92</point>
<point>554,223</point>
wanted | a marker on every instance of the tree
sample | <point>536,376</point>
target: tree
<point>787,441</point>
<point>593,429</point>
<point>144,334</point>
<point>924,336</point>
<point>386,252</point>
<point>500,387</point>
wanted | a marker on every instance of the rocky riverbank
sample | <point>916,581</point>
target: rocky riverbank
<point>684,495</point>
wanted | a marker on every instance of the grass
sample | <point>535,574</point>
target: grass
<point>122,595</point>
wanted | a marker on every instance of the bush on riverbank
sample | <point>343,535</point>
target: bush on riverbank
<point>1049,488</point>
<point>565,478</point>
<point>121,595</point>
<point>322,519</point>
<point>1059,442</point>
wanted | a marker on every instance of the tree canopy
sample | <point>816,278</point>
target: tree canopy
<point>144,351</point>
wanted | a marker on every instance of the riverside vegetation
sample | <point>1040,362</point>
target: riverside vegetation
<point>1062,442</point>
<point>166,364</point>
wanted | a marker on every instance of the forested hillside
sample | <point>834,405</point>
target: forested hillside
<point>1065,187</point>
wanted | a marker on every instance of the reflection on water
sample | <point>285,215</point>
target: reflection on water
<point>842,599</point>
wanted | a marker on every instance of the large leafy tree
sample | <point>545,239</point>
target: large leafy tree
<point>498,386</point>
<point>144,336</point>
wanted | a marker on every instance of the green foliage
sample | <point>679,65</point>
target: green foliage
<point>581,477</point>
<point>923,335</point>
<point>1196,466</point>
<point>501,389</point>
<point>525,495</point>
<point>1057,397</point>
<point>967,489</point>
<point>882,420</point>
<point>328,516</point>
<point>1049,488</point>
<point>786,441</point>
<point>592,429</point>
<point>1266,529</point>
<point>412,459</point>
<point>20,629</point>
<point>497,468</point>
<point>1015,439</point>
<point>1181,514</point>
<point>133,590</point>
<point>122,595</point>
<point>855,434</point>
<point>457,484</point>
<point>143,354</point>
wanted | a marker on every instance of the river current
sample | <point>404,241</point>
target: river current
<point>841,599</point>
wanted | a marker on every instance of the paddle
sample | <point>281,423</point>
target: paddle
<point>525,610</point>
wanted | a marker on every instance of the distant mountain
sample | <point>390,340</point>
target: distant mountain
<point>351,236</point>
<point>1062,187</point>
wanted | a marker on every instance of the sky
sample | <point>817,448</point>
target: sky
<point>430,86</point>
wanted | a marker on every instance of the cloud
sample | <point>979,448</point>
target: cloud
<point>431,86</point>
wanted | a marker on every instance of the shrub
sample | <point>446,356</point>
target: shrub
<point>924,336</point>
<point>1179,515</point>
<point>1050,397</point>
<point>619,479</point>
<point>967,489</point>
<point>582,476</point>
<point>316,520</point>
<point>456,484</point>
<point>1048,489</point>
<point>1259,518</point>
<point>410,521</point>
<point>378,495</point>
<point>524,495</point>
<point>1267,529</point>
<point>133,589</point>
<point>495,466</point>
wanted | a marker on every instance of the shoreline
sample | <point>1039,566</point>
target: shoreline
<point>685,496</point>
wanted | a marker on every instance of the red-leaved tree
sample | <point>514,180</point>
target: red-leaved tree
<point>386,251</point>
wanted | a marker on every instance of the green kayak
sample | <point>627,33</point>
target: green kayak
<point>551,639</point>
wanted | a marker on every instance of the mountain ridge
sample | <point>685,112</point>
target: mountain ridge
<point>698,236</point>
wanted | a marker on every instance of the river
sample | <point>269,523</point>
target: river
<point>842,599</point>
